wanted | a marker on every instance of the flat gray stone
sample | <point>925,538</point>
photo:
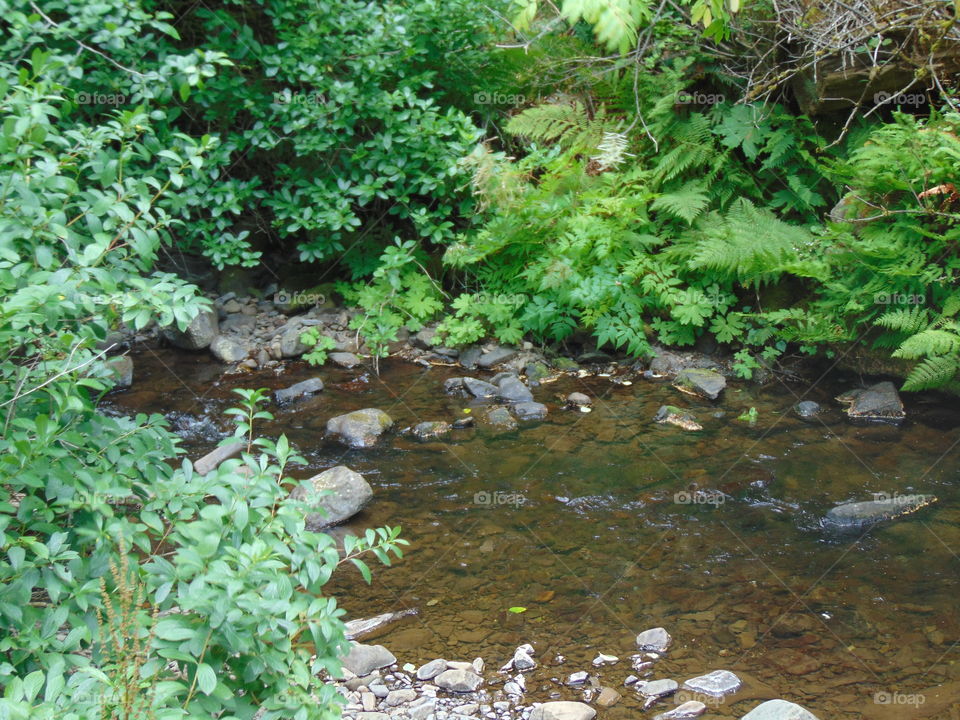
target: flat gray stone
<point>658,688</point>
<point>469,357</point>
<point>496,356</point>
<point>344,359</point>
<point>563,710</point>
<point>877,402</point>
<point>856,515</point>
<point>431,669</point>
<point>530,411</point>
<point>399,697</point>
<point>705,383</point>
<point>689,709</point>
<point>361,428</point>
<point>298,390</point>
<point>654,640</point>
<point>430,430</point>
<point>461,681</point>
<point>513,390</point>
<point>333,496</point>
<point>212,459</point>
<point>779,710</point>
<point>715,684</point>
<point>364,659</point>
<point>479,388</point>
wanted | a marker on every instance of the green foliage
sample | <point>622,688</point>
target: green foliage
<point>319,345</point>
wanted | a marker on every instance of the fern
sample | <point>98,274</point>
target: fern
<point>932,373</point>
<point>568,124</point>
<point>685,203</point>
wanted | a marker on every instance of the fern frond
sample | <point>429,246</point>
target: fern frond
<point>568,124</point>
<point>929,342</point>
<point>933,372</point>
<point>907,320</point>
<point>685,203</point>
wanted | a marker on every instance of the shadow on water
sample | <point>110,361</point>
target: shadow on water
<point>594,524</point>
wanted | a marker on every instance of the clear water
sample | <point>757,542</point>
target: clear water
<point>577,519</point>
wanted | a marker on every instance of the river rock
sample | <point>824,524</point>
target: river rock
<point>361,428</point>
<point>658,688</point>
<point>430,430</point>
<point>530,411</point>
<point>501,418</point>
<point>878,402</point>
<point>479,388</point>
<point>856,515</point>
<point>336,495</point>
<point>344,359</point>
<point>362,659</point>
<point>689,709</point>
<point>523,659</point>
<point>199,333</point>
<point>469,357</point>
<point>578,678</point>
<point>454,386</point>
<point>807,409</point>
<point>779,710</point>
<point>670,415</point>
<point>228,350</point>
<point>121,368</point>
<point>579,399</point>
<point>431,669</point>
<point>715,684</point>
<point>563,710</point>
<point>513,390</point>
<point>289,340</point>
<point>608,697</point>
<point>460,681</point>
<point>214,458</point>
<point>654,640</point>
<point>496,356</point>
<point>298,390</point>
<point>697,381</point>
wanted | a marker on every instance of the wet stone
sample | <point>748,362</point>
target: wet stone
<point>495,357</point>
<point>779,710</point>
<point>511,389</point>
<point>654,640</point>
<point>563,710</point>
<point>333,496</point>
<point>361,428</point>
<point>431,669</point>
<point>689,709</point>
<point>459,681</point>
<point>705,383</point>
<point>298,390</point>
<point>578,678</point>
<point>479,388</point>
<point>715,684</point>
<point>878,402</point>
<point>530,411</point>
<point>364,659</point>
<point>578,399</point>
<point>658,688</point>
<point>807,409</point>
<point>344,359</point>
<point>608,697</point>
<point>856,515</point>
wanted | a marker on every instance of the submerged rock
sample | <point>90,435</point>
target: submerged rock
<point>578,399</point>
<point>354,629</point>
<point>854,515</point>
<point>689,709</point>
<point>430,430</point>
<point>563,710</point>
<point>361,428</point>
<point>298,390</point>
<point>807,409</point>
<point>779,710</point>
<point>704,383</point>
<point>670,415</point>
<point>199,333</point>
<point>878,402</point>
<point>530,411</point>
<point>336,495</point>
<point>500,417</point>
<point>658,688</point>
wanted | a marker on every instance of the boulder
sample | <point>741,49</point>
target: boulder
<point>298,390</point>
<point>697,381</point>
<point>779,710</point>
<point>454,386</point>
<point>228,350</point>
<point>199,333</point>
<point>512,390</point>
<point>360,428</point>
<point>333,496</point>
<point>878,402</point>
<point>459,680</point>
<point>469,357</point>
<point>530,411</point>
<point>563,710</point>
<point>121,368</point>
<point>362,659</point>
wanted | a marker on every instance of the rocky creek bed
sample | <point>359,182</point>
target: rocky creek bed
<point>566,506</point>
